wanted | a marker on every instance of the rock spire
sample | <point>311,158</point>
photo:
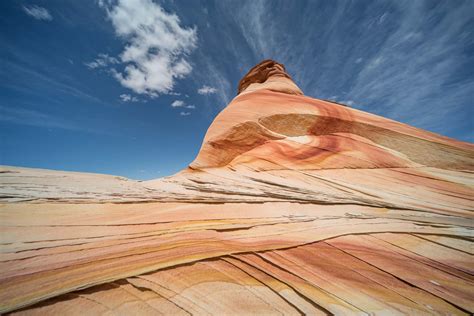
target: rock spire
<point>269,75</point>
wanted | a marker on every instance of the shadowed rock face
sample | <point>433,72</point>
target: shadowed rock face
<point>293,205</point>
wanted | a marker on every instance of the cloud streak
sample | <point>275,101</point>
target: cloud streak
<point>406,60</point>
<point>38,13</point>
<point>412,75</point>
<point>36,118</point>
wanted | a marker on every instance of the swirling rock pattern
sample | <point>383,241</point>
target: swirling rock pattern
<point>293,205</point>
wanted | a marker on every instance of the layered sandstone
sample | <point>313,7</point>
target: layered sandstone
<point>293,205</point>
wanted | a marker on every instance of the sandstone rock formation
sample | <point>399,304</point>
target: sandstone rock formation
<point>294,205</point>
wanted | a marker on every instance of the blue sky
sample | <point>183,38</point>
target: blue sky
<point>130,87</point>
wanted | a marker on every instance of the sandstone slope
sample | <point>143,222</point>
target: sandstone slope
<point>293,205</point>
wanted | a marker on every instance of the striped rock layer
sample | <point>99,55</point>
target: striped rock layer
<point>293,205</point>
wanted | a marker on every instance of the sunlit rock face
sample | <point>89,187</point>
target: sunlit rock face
<point>271,125</point>
<point>293,205</point>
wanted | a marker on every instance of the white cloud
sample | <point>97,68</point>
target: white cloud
<point>128,98</point>
<point>102,61</point>
<point>177,103</point>
<point>205,90</point>
<point>185,113</point>
<point>156,46</point>
<point>38,12</point>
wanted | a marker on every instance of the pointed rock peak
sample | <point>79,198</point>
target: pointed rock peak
<point>269,75</point>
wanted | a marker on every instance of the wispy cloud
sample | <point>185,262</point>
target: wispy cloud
<point>185,113</point>
<point>406,60</point>
<point>206,90</point>
<point>157,46</point>
<point>190,106</point>
<point>412,75</point>
<point>103,60</point>
<point>219,79</point>
<point>45,81</point>
<point>128,98</point>
<point>37,12</point>
<point>36,118</point>
<point>254,21</point>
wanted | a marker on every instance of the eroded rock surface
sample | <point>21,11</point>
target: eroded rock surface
<point>293,205</point>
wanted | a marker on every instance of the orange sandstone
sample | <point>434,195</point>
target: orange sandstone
<point>293,205</point>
